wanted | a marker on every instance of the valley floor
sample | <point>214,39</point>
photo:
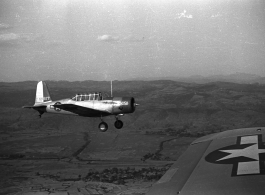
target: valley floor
<point>99,163</point>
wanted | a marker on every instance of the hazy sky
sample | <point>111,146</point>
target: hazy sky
<point>123,39</point>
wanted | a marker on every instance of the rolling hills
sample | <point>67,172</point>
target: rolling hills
<point>68,148</point>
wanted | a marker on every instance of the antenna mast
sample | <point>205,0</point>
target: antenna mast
<point>111,88</point>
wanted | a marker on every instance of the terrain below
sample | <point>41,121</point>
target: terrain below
<point>50,162</point>
<point>60,154</point>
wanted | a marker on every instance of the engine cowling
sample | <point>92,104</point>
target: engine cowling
<point>123,105</point>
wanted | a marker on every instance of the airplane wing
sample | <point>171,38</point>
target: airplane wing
<point>230,162</point>
<point>80,110</point>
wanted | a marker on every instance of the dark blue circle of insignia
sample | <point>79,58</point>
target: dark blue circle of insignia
<point>121,107</point>
<point>215,156</point>
<point>57,109</point>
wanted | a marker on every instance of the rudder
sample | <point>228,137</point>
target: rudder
<point>42,93</point>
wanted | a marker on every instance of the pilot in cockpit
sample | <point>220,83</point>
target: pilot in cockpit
<point>79,97</point>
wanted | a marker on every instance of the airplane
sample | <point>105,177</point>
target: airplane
<point>86,105</point>
<point>229,162</point>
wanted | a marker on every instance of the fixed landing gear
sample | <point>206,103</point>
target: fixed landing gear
<point>118,124</point>
<point>103,126</point>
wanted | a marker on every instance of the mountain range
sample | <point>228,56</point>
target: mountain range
<point>233,78</point>
<point>164,104</point>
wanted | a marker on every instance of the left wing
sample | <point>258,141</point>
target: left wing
<point>80,110</point>
<point>230,162</point>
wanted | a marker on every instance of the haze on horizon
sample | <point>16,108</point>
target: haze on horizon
<point>123,39</point>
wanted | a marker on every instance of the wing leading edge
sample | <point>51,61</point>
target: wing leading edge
<point>230,162</point>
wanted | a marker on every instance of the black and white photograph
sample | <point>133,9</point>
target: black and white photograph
<point>132,97</point>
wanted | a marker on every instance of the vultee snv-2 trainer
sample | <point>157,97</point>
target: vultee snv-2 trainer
<point>86,105</point>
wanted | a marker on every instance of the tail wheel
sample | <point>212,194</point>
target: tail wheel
<point>103,126</point>
<point>118,124</point>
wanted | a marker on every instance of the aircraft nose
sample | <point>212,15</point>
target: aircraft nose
<point>133,104</point>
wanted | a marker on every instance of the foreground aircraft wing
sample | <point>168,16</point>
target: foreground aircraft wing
<point>230,162</point>
<point>80,110</point>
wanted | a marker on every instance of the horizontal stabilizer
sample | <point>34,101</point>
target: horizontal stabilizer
<point>41,106</point>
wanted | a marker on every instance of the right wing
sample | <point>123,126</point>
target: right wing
<point>230,162</point>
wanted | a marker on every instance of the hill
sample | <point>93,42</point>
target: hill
<point>68,148</point>
<point>241,78</point>
<point>164,105</point>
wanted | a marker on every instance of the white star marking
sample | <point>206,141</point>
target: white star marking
<point>250,152</point>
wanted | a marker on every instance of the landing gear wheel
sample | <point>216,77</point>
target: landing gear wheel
<point>118,124</point>
<point>103,126</point>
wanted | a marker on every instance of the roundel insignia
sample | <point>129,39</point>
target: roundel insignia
<point>57,109</point>
<point>247,156</point>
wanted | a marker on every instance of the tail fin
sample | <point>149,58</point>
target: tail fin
<point>42,93</point>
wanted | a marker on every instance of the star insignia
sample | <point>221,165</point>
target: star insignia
<point>247,156</point>
<point>251,152</point>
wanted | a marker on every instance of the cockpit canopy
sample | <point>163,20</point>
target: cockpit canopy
<point>91,96</point>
